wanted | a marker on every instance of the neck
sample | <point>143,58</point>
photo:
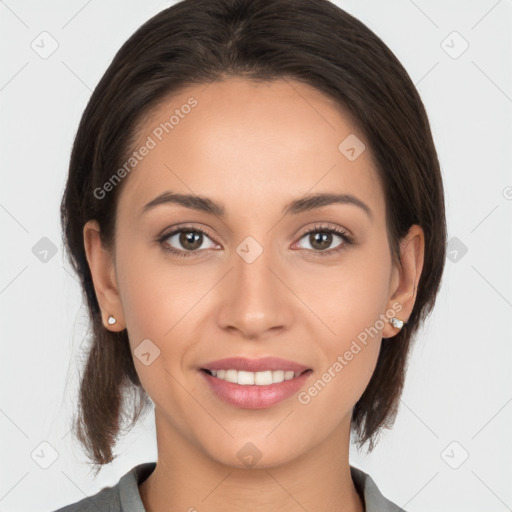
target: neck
<point>186,478</point>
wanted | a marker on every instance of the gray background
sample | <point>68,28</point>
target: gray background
<point>450,448</point>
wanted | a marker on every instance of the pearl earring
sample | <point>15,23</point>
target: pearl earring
<point>396,322</point>
<point>111,320</point>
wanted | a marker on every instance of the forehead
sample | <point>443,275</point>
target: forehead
<point>267,141</point>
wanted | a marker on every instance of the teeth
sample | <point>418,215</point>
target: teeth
<point>264,378</point>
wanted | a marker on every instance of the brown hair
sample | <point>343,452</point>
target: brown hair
<point>202,41</point>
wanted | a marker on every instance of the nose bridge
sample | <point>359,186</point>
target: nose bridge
<point>255,303</point>
<point>253,262</point>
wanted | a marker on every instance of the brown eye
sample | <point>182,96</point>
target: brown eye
<point>190,240</point>
<point>320,240</point>
<point>185,240</point>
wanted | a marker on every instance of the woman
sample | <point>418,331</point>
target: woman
<point>255,210</point>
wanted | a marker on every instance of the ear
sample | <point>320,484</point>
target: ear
<point>405,277</point>
<point>101,264</point>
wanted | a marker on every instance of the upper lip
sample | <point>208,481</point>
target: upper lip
<point>255,365</point>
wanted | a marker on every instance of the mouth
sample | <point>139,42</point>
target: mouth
<point>254,390</point>
<point>261,378</point>
<point>254,383</point>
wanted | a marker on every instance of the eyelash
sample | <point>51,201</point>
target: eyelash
<point>347,240</point>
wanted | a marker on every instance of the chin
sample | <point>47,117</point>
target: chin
<point>255,452</point>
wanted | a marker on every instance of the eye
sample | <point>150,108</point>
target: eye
<point>321,238</point>
<point>187,240</point>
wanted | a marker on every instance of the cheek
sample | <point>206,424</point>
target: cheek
<point>353,304</point>
<point>163,302</point>
<point>350,351</point>
<point>330,396</point>
<point>352,295</point>
<point>157,303</point>
<point>156,294</point>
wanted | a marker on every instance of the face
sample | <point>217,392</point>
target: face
<point>252,276</point>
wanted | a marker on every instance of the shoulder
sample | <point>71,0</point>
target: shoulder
<point>122,496</point>
<point>106,500</point>
<point>373,498</point>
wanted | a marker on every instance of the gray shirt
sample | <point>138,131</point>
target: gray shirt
<point>125,497</point>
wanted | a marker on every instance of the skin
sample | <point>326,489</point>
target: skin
<point>254,148</point>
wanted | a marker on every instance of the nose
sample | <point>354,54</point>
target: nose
<point>255,302</point>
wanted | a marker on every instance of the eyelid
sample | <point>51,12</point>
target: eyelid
<point>343,233</point>
<point>319,226</point>
<point>183,227</point>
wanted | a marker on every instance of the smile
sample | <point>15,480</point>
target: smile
<point>254,390</point>
<point>245,378</point>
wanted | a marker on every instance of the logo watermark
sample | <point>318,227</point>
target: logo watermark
<point>137,156</point>
<point>304,397</point>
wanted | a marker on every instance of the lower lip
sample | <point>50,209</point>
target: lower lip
<point>253,396</point>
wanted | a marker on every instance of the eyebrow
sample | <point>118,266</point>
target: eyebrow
<point>306,203</point>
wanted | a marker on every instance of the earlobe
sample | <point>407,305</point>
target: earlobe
<point>101,265</point>
<point>407,275</point>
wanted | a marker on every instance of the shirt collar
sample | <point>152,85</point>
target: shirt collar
<point>373,499</point>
